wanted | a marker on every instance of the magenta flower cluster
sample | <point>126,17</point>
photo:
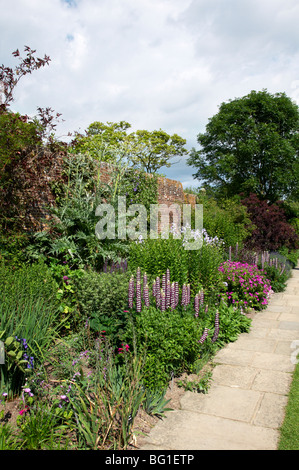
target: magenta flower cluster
<point>246,285</point>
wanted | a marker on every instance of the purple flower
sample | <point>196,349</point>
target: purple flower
<point>204,336</point>
<point>196,305</point>
<point>131,292</point>
<point>163,301</point>
<point>138,297</point>
<point>216,332</point>
<point>146,295</point>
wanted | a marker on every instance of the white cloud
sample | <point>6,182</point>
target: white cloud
<point>155,63</point>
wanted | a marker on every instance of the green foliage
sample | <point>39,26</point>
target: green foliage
<point>12,372</point>
<point>146,150</point>
<point>231,324</point>
<point>199,386</point>
<point>8,437</point>
<point>154,149</point>
<point>155,403</point>
<point>66,277</point>
<point>12,249</point>
<point>227,219</point>
<point>29,313</point>
<point>103,297</point>
<point>276,268</point>
<point>198,267</point>
<point>139,188</point>
<point>291,256</point>
<point>251,145</point>
<point>203,265</point>
<point>103,142</point>
<point>40,428</point>
<point>30,282</point>
<point>155,256</point>
<point>289,432</point>
<point>71,235</point>
<point>171,341</point>
<point>16,135</point>
<point>106,406</point>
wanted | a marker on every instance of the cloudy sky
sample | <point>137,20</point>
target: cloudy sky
<point>157,64</point>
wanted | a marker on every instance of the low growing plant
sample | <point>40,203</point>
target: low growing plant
<point>105,405</point>
<point>199,386</point>
<point>103,300</point>
<point>155,403</point>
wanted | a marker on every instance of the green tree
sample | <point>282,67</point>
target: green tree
<point>103,141</point>
<point>155,149</point>
<point>145,150</point>
<point>251,146</point>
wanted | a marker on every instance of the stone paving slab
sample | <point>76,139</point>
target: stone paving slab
<point>186,430</point>
<point>272,381</point>
<point>245,405</point>
<point>234,376</point>
<point>271,411</point>
<point>226,402</point>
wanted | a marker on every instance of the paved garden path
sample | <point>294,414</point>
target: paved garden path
<point>245,404</point>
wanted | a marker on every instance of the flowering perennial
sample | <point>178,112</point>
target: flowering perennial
<point>204,336</point>
<point>165,293</point>
<point>246,285</point>
<point>216,332</point>
<point>29,359</point>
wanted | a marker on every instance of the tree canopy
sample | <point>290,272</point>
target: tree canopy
<point>143,149</point>
<point>251,146</point>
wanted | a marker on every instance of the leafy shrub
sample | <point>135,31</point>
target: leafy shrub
<point>27,282</point>
<point>171,342</point>
<point>103,297</point>
<point>12,249</point>
<point>232,322</point>
<point>272,229</point>
<point>139,188</point>
<point>226,219</point>
<point>199,267</point>
<point>276,268</point>
<point>291,256</point>
<point>66,276</point>
<point>155,256</point>
<point>245,285</point>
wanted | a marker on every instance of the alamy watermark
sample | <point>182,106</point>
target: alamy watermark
<point>162,218</point>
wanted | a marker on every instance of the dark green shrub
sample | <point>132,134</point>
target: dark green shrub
<point>155,256</point>
<point>12,249</point>
<point>171,342</point>
<point>103,297</point>
<point>291,256</point>
<point>226,219</point>
<point>27,282</point>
